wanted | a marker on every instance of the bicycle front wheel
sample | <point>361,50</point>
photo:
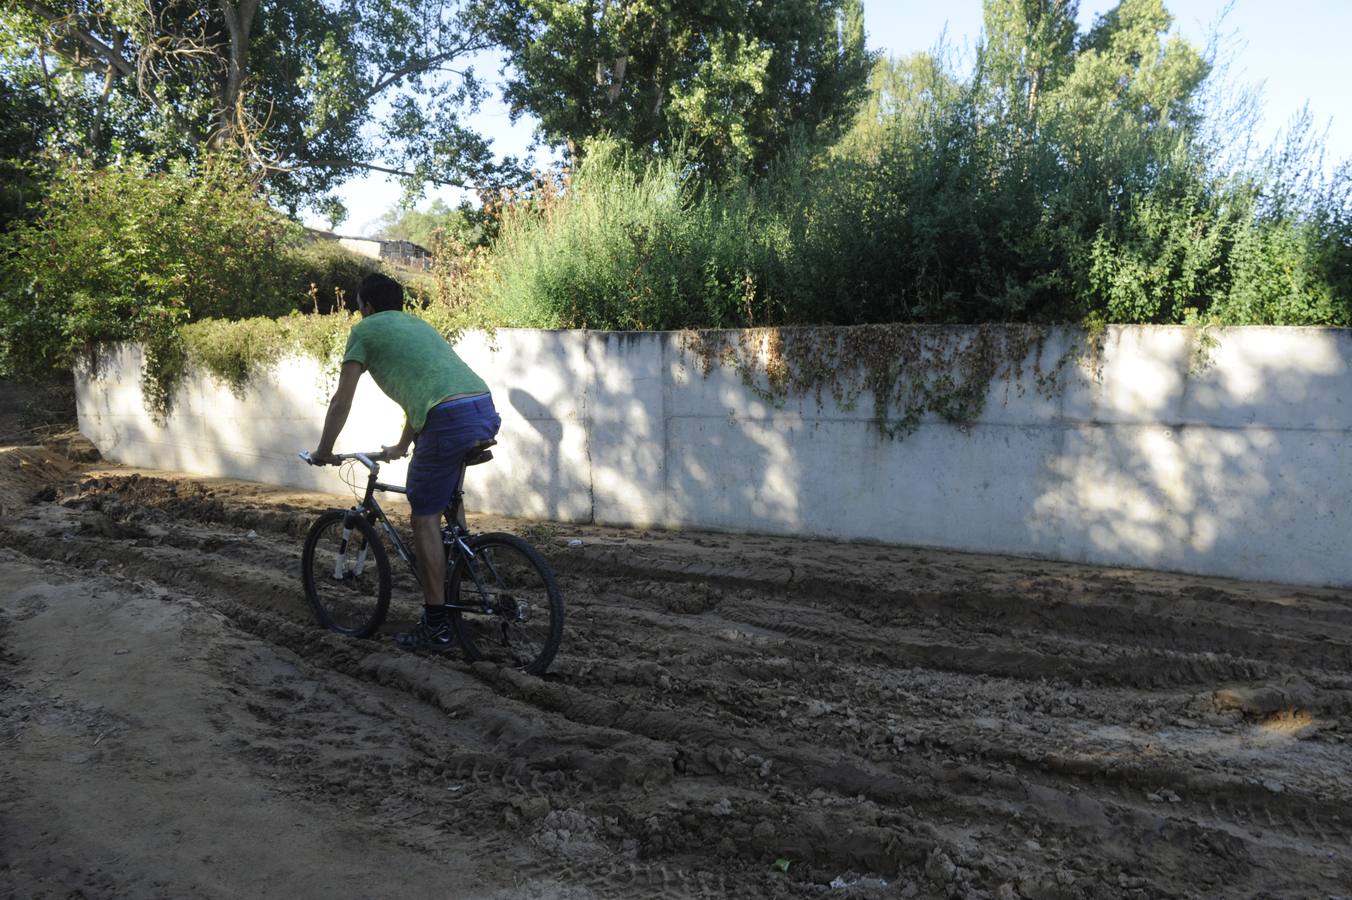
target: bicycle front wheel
<point>346,573</point>
<point>505,604</point>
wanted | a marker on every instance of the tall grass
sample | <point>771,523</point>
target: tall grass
<point>622,244</point>
<point>957,210</point>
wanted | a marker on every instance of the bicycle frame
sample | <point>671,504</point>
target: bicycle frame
<point>503,598</point>
<point>453,534</point>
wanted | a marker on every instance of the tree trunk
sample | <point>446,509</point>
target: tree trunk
<point>239,19</point>
<point>621,61</point>
<point>595,24</point>
<point>101,111</point>
<point>617,76</point>
<point>46,73</point>
<point>659,88</point>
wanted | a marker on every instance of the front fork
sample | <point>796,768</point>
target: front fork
<point>339,564</point>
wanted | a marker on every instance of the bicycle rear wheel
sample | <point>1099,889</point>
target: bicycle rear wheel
<point>516,610</point>
<point>346,572</point>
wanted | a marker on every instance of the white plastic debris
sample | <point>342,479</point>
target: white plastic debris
<point>852,880</point>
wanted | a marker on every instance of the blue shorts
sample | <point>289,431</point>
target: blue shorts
<point>452,429</point>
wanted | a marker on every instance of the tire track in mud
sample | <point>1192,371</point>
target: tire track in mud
<point>489,778</point>
<point>1180,623</point>
<point>964,738</point>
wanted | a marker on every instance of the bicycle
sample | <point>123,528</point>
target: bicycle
<point>502,598</point>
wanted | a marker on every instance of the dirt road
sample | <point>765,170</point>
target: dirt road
<point>729,717</point>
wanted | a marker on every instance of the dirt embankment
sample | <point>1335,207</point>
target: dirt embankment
<point>729,717</point>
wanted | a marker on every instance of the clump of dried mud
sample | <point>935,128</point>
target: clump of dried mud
<point>729,717</point>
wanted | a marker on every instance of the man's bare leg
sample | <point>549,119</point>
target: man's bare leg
<point>431,558</point>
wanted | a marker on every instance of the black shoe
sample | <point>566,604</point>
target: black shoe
<point>426,636</point>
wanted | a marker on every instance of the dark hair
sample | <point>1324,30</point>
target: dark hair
<point>382,292</point>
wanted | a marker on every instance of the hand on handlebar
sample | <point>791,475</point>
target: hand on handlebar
<point>394,451</point>
<point>315,458</point>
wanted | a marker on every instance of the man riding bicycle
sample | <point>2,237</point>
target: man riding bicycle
<point>448,411</point>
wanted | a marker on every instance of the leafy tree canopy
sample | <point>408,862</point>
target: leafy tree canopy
<point>727,79</point>
<point>311,91</point>
<point>1126,74</point>
<point>24,119</point>
<point>1028,48</point>
<point>902,92</point>
<point>464,224</point>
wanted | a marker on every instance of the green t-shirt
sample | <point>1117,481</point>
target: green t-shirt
<point>411,362</point>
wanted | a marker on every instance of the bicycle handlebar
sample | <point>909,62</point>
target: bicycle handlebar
<point>370,459</point>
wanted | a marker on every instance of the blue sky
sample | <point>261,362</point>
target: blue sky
<point>1297,51</point>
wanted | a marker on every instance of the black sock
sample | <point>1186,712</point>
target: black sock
<point>436,615</point>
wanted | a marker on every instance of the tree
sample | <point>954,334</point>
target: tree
<point>299,85</point>
<point>729,80</point>
<point>902,92</point>
<point>1099,137</point>
<point>463,223</point>
<point>1128,73</point>
<point>1028,47</point>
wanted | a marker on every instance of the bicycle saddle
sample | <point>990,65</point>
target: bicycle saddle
<point>480,453</point>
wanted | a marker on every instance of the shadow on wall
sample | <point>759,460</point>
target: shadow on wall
<point>740,475</point>
<point>672,448</point>
<point>1229,460</point>
<point>541,472</point>
<point>539,468</point>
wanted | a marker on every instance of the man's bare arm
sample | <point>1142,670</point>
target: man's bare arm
<point>339,407</point>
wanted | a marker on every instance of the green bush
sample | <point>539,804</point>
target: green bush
<point>128,252</point>
<point>25,119</point>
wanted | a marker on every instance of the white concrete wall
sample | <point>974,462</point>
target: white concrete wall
<point>361,247</point>
<point>1242,469</point>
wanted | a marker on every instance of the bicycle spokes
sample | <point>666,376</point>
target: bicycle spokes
<point>507,605</point>
<point>346,575</point>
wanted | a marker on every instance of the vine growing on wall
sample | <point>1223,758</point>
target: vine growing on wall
<point>232,351</point>
<point>908,371</point>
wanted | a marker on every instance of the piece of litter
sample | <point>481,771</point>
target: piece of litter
<point>575,542</point>
<point>841,882</point>
<point>251,535</point>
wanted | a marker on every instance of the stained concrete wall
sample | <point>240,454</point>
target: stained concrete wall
<point>1235,463</point>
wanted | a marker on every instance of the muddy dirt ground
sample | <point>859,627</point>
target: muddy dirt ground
<point>729,717</point>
